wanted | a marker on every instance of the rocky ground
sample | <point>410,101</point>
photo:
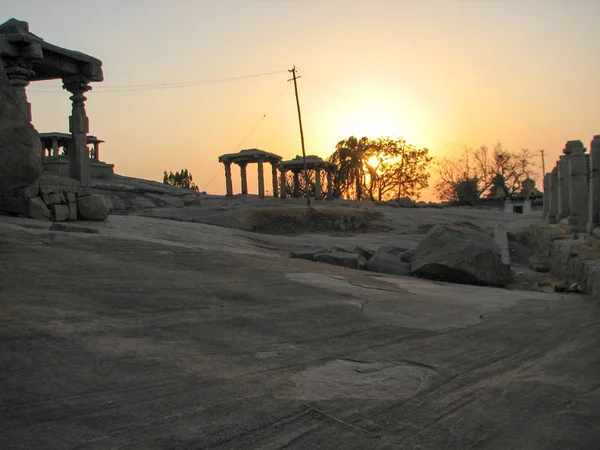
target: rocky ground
<point>178,328</point>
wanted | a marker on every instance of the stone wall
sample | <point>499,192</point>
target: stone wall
<point>52,198</point>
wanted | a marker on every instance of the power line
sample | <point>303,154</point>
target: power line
<point>263,117</point>
<point>160,86</point>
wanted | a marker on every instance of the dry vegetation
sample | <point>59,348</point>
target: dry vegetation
<point>286,220</point>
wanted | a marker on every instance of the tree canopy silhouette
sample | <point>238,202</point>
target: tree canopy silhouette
<point>482,172</point>
<point>379,169</point>
<point>181,179</point>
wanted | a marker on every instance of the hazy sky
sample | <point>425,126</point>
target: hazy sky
<point>441,73</point>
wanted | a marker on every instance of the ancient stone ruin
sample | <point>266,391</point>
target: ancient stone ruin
<point>296,166</point>
<point>572,188</point>
<point>24,188</point>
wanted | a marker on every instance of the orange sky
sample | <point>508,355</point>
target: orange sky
<point>439,73</point>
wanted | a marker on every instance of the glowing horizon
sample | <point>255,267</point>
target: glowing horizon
<point>448,74</point>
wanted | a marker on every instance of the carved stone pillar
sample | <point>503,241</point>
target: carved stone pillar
<point>283,183</point>
<point>318,195</point>
<point>244,178</point>
<point>296,192</point>
<point>274,176</point>
<point>578,186</point>
<point>55,147</point>
<point>261,180</point>
<point>594,188</point>
<point>96,151</point>
<point>228,182</point>
<point>19,71</point>
<point>563,187</point>
<point>546,195</point>
<point>79,159</point>
<point>329,184</point>
<point>553,204</point>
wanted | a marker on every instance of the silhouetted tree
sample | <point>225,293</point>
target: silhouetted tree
<point>492,169</point>
<point>181,179</point>
<point>379,169</point>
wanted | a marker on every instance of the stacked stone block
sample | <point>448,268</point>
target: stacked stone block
<point>54,198</point>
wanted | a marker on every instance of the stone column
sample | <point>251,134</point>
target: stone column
<point>329,184</point>
<point>96,151</point>
<point>19,72</point>
<point>261,180</point>
<point>228,183</point>
<point>594,188</point>
<point>79,158</point>
<point>553,204</point>
<point>546,195</point>
<point>578,193</point>
<point>55,147</point>
<point>244,179</point>
<point>274,176</point>
<point>283,183</point>
<point>296,192</point>
<point>563,188</point>
<point>318,195</point>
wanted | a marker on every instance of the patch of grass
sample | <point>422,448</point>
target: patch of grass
<point>290,220</point>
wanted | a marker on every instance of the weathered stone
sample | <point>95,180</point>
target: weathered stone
<point>53,198</point>
<point>84,191</point>
<point>20,146</point>
<point>344,259</point>
<point>27,192</point>
<point>460,255</point>
<point>15,205</point>
<point>365,253</point>
<point>308,254</point>
<point>60,213</point>
<point>92,207</point>
<point>38,209</point>
<point>408,255</point>
<point>72,210</point>
<point>73,228</point>
<point>71,197</point>
<point>388,263</point>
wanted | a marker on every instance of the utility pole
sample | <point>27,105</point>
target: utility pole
<point>543,164</point>
<point>293,71</point>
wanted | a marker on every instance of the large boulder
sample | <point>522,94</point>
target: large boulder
<point>20,146</point>
<point>460,254</point>
<point>92,207</point>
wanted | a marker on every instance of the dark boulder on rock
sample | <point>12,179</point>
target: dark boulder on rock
<point>344,259</point>
<point>92,207</point>
<point>388,259</point>
<point>460,254</point>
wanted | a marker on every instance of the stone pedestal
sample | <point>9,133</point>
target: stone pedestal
<point>79,158</point>
<point>578,186</point>
<point>594,188</point>
<point>274,177</point>
<point>563,188</point>
<point>228,182</point>
<point>318,195</point>
<point>261,180</point>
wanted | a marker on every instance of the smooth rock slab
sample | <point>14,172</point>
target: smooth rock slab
<point>92,207</point>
